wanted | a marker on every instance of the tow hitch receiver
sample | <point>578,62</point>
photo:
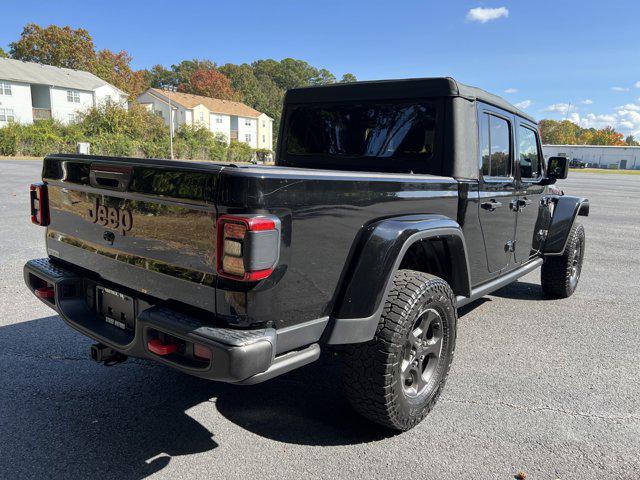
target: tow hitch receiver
<point>102,354</point>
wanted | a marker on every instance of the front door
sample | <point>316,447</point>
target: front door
<point>529,167</point>
<point>497,186</point>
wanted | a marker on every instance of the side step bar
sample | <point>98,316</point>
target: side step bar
<point>493,285</point>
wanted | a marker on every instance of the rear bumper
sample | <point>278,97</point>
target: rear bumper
<point>237,356</point>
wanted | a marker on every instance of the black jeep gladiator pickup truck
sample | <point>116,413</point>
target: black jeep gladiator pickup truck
<point>392,204</point>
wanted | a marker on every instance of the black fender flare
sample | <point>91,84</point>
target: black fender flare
<point>369,280</point>
<point>565,210</point>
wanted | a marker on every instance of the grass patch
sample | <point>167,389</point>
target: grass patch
<point>605,170</point>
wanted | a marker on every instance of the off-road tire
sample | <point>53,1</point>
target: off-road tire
<point>560,274</point>
<point>374,383</point>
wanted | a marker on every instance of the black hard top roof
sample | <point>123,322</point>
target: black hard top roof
<point>404,88</point>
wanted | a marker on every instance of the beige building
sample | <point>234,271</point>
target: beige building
<point>235,120</point>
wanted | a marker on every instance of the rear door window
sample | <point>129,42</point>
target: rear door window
<point>495,146</point>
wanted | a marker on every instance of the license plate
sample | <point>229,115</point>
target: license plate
<point>117,308</point>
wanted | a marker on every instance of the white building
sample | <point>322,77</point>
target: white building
<point>598,156</point>
<point>235,120</point>
<point>32,91</point>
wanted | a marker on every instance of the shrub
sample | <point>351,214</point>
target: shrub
<point>114,131</point>
<point>263,154</point>
<point>239,152</point>
<point>114,144</point>
<point>9,138</point>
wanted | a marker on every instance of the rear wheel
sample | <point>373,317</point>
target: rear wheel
<point>396,378</point>
<point>560,275</point>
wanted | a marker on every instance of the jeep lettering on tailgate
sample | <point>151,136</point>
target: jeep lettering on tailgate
<point>117,219</point>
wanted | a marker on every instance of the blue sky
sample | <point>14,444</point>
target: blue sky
<point>541,54</point>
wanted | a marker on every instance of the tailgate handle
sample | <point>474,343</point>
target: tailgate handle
<point>110,176</point>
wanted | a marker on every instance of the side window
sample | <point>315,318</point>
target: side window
<point>495,146</point>
<point>484,145</point>
<point>528,154</point>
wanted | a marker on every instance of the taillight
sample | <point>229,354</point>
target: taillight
<point>248,246</point>
<point>39,204</point>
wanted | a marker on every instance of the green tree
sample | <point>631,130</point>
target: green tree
<point>631,141</point>
<point>115,68</point>
<point>263,95</point>
<point>159,77</point>
<point>3,54</point>
<point>348,78</point>
<point>53,45</point>
<point>291,73</point>
<point>184,71</point>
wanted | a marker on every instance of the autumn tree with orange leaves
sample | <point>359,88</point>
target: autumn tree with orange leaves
<point>209,82</point>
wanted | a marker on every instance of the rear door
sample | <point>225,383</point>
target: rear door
<point>529,165</point>
<point>497,185</point>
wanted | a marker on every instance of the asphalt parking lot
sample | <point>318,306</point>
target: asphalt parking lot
<point>551,388</point>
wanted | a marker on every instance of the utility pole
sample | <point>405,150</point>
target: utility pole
<point>170,89</point>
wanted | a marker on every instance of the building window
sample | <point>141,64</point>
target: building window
<point>202,116</point>
<point>263,124</point>
<point>72,118</point>
<point>5,88</point>
<point>247,137</point>
<point>218,118</point>
<point>264,139</point>
<point>247,122</point>
<point>6,115</point>
<point>73,96</point>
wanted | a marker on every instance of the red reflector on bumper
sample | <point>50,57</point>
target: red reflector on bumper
<point>159,348</point>
<point>201,351</point>
<point>44,292</point>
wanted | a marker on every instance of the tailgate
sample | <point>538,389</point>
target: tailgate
<point>148,225</point>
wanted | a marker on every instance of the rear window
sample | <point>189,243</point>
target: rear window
<point>366,136</point>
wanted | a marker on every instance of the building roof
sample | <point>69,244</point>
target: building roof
<point>215,105</point>
<point>37,73</point>
<point>403,88</point>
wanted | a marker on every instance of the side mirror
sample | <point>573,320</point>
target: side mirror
<point>557,169</point>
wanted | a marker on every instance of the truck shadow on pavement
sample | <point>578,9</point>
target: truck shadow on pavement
<point>61,415</point>
<point>521,291</point>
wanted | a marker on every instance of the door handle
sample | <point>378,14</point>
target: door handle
<point>491,205</point>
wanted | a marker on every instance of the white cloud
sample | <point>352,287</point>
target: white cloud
<point>637,84</point>
<point>620,89</point>
<point>484,15</point>
<point>524,104</point>
<point>626,119</point>
<point>511,90</point>
<point>629,106</point>
<point>587,101</point>
<point>562,108</point>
